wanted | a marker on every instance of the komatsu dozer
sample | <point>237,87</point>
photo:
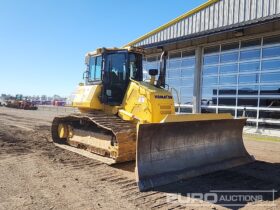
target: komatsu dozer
<point>123,118</point>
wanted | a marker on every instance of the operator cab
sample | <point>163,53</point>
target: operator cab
<point>113,68</point>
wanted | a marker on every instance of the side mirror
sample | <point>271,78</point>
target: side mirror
<point>153,72</point>
<point>85,75</point>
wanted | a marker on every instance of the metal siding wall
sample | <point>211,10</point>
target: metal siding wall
<point>241,10</point>
<point>277,6</point>
<point>266,4</point>
<point>226,11</point>
<point>247,9</point>
<point>172,31</point>
<point>182,28</point>
<point>186,27</point>
<point>156,37</point>
<point>202,20</point>
<point>190,24</point>
<point>198,21</point>
<point>178,29</point>
<point>211,17</point>
<point>231,12</point>
<point>197,25</point>
<point>219,14</point>
<point>216,15</point>
<point>175,31</point>
<point>253,9</point>
<point>207,19</point>
<point>194,24</point>
<point>272,7</point>
<point>164,35</point>
<point>260,8</point>
<point>236,11</point>
<point>167,33</point>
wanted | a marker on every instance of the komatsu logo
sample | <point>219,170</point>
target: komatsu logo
<point>163,97</point>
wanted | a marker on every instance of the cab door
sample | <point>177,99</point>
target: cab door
<point>115,78</point>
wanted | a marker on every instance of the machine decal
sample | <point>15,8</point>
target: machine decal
<point>163,97</point>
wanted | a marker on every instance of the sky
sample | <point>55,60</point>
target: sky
<point>43,42</point>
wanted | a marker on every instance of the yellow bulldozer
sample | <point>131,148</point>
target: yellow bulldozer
<point>123,118</point>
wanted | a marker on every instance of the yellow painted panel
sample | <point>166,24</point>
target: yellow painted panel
<point>87,97</point>
<point>196,117</point>
<point>147,103</point>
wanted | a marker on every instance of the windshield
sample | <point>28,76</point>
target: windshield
<point>95,65</point>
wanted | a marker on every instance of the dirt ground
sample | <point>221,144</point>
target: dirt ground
<point>34,174</point>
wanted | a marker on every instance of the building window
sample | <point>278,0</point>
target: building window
<point>243,78</point>
<point>180,76</point>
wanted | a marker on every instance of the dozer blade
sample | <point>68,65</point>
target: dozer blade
<point>172,151</point>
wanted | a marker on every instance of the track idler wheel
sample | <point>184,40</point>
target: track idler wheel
<point>59,131</point>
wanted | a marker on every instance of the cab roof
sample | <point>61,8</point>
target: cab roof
<point>99,51</point>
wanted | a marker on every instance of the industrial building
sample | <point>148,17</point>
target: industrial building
<point>223,56</point>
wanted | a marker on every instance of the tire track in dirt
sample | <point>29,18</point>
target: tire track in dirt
<point>103,175</point>
<point>117,183</point>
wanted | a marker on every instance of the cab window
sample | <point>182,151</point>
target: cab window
<point>135,66</point>
<point>95,67</point>
<point>116,67</point>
